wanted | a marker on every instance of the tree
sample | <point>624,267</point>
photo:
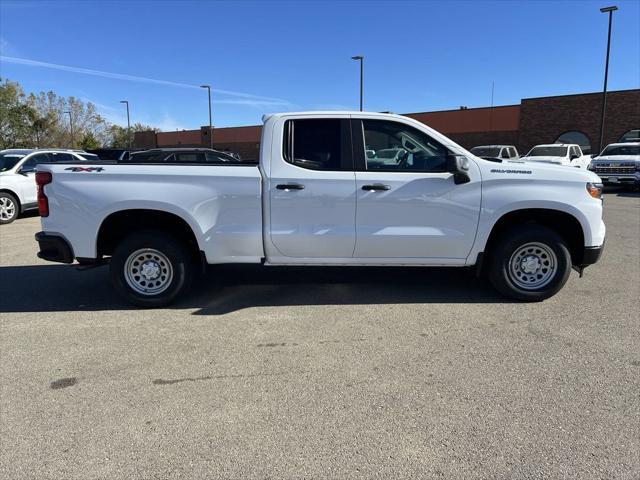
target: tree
<point>119,135</point>
<point>45,119</point>
<point>16,117</point>
<point>89,142</point>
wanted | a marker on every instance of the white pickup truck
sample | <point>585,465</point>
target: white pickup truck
<point>569,155</point>
<point>316,198</point>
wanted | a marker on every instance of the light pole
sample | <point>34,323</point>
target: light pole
<point>361,58</point>
<point>70,126</point>
<point>208,87</point>
<point>610,11</point>
<point>128,123</point>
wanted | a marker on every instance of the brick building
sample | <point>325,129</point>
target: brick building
<point>535,120</point>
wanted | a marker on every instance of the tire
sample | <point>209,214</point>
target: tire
<point>529,263</point>
<point>151,268</point>
<point>9,208</point>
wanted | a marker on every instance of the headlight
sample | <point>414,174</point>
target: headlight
<point>595,190</point>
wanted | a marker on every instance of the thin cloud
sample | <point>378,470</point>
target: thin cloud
<point>135,78</point>
<point>6,47</point>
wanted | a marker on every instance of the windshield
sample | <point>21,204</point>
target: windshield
<point>486,151</point>
<point>548,152</point>
<point>9,160</point>
<point>622,150</point>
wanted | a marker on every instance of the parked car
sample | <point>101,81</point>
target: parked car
<point>180,156</point>
<point>441,206</point>
<point>618,164</point>
<point>386,156</point>
<point>496,153</point>
<point>559,154</point>
<point>17,178</point>
<point>109,153</point>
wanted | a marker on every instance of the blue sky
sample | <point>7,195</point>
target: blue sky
<point>276,56</point>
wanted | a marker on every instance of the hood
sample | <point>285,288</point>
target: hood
<point>535,171</point>
<point>556,160</point>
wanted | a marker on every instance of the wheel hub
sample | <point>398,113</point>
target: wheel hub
<point>530,264</point>
<point>150,270</point>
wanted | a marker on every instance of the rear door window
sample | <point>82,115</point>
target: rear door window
<point>318,144</point>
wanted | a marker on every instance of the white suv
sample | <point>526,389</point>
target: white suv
<point>18,191</point>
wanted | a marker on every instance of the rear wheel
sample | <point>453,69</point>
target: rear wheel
<point>530,263</point>
<point>151,268</point>
<point>9,208</point>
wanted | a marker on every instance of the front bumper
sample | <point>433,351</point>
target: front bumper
<point>54,248</point>
<point>612,176</point>
<point>591,255</point>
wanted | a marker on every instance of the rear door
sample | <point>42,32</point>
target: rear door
<point>311,189</point>
<point>409,207</point>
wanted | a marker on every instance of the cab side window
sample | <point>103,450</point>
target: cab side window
<point>220,158</point>
<point>61,157</point>
<point>505,153</point>
<point>189,157</point>
<point>318,144</point>
<point>396,147</point>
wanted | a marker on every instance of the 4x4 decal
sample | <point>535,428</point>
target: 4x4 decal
<point>85,169</point>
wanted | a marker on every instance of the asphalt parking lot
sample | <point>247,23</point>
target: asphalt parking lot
<point>326,373</point>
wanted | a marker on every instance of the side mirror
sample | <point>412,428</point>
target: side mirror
<point>573,156</point>
<point>25,171</point>
<point>459,166</point>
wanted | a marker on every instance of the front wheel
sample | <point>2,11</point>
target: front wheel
<point>530,263</point>
<point>151,268</point>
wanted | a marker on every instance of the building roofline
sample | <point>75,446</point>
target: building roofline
<point>461,109</point>
<point>583,94</point>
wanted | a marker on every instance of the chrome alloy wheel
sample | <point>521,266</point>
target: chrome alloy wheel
<point>7,208</point>
<point>532,266</point>
<point>148,271</point>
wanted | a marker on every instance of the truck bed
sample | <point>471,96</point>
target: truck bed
<point>221,204</point>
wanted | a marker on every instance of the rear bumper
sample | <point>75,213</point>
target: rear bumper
<point>54,248</point>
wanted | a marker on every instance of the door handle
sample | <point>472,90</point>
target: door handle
<point>290,186</point>
<point>376,187</point>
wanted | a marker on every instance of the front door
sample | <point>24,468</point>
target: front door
<point>408,205</point>
<point>27,177</point>
<point>312,189</point>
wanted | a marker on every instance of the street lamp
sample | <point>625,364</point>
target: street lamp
<point>128,123</point>
<point>610,11</point>
<point>70,126</point>
<point>208,87</point>
<point>361,58</point>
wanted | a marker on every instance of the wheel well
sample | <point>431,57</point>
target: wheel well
<point>118,225</point>
<point>564,224</point>
<point>14,195</point>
